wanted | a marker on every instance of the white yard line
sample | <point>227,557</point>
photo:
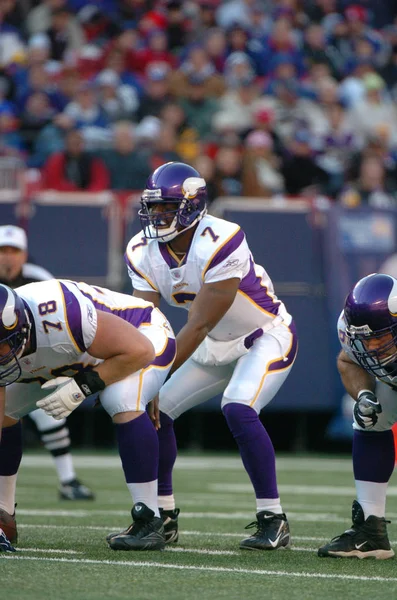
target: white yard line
<point>80,514</point>
<point>309,490</point>
<point>49,550</point>
<point>212,463</point>
<point>234,571</point>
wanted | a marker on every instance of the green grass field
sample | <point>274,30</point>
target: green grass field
<point>62,553</point>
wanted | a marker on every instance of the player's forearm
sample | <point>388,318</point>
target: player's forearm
<point>354,378</point>
<point>121,366</point>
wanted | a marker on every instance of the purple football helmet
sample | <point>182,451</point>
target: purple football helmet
<point>173,183</point>
<point>371,314</point>
<point>14,330</point>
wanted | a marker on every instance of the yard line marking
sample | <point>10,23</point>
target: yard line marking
<point>199,463</point>
<point>50,550</point>
<point>310,490</point>
<point>79,514</point>
<point>235,571</point>
<point>229,552</point>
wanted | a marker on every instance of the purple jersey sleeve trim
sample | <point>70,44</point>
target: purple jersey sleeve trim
<point>221,253</point>
<point>73,317</point>
<point>133,314</point>
<point>137,272</point>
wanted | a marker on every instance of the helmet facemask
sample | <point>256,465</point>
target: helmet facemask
<point>381,362</point>
<point>15,327</point>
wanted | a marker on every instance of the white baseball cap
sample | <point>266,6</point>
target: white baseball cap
<point>10,235</point>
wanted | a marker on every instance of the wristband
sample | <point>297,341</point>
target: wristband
<point>89,382</point>
<point>364,392</point>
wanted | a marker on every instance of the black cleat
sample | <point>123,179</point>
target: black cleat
<point>170,522</point>
<point>9,526</point>
<point>272,532</point>
<point>145,533</point>
<point>75,490</point>
<point>367,538</point>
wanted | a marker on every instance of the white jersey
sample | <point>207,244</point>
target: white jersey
<point>218,251</point>
<point>64,324</point>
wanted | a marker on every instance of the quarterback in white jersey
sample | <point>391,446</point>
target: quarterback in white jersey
<point>61,341</point>
<point>239,339</point>
<point>367,363</point>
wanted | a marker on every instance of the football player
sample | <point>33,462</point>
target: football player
<point>367,364</point>
<point>15,270</point>
<point>62,341</point>
<point>239,338</point>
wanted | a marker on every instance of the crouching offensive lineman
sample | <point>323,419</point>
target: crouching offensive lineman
<point>368,366</point>
<point>62,341</point>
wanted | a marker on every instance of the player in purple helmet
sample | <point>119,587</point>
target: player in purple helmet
<point>367,364</point>
<point>239,339</point>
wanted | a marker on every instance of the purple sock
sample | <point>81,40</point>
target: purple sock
<point>138,449</point>
<point>256,448</point>
<point>168,451</point>
<point>373,455</point>
<point>11,449</point>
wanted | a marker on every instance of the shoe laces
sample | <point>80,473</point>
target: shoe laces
<point>262,524</point>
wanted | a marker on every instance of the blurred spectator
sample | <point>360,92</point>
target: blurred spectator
<point>37,114</point>
<point>164,144</point>
<point>206,167</point>
<point>198,108</point>
<point>50,140</point>
<point>238,104</point>
<point>62,38</point>
<point>260,176</point>
<point>378,105</point>
<point>11,143</point>
<point>235,11</point>
<point>197,63</point>
<point>128,168</point>
<point>215,46</point>
<point>177,26</point>
<point>155,52</point>
<point>117,101</point>
<point>378,147</point>
<point>88,115</point>
<point>293,112</point>
<point>74,169</point>
<point>156,91</point>
<point>147,132</point>
<point>301,173</point>
<point>228,172</point>
<point>316,50</point>
<point>336,147</point>
<point>40,19</point>
<point>370,188</point>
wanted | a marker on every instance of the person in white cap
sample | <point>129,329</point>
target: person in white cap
<point>15,271</point>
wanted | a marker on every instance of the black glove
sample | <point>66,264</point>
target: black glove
<point>366,409</point>
<point>5,545</point>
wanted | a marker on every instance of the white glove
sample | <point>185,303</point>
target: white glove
<point>67,396</point>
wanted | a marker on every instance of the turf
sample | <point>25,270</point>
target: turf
<point>62,553</point>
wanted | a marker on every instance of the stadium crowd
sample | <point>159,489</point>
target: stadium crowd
<point>263,97</point>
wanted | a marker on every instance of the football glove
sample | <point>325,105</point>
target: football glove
<point>67,396</point>
<point>5,544</point>
<point>366,409</point>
